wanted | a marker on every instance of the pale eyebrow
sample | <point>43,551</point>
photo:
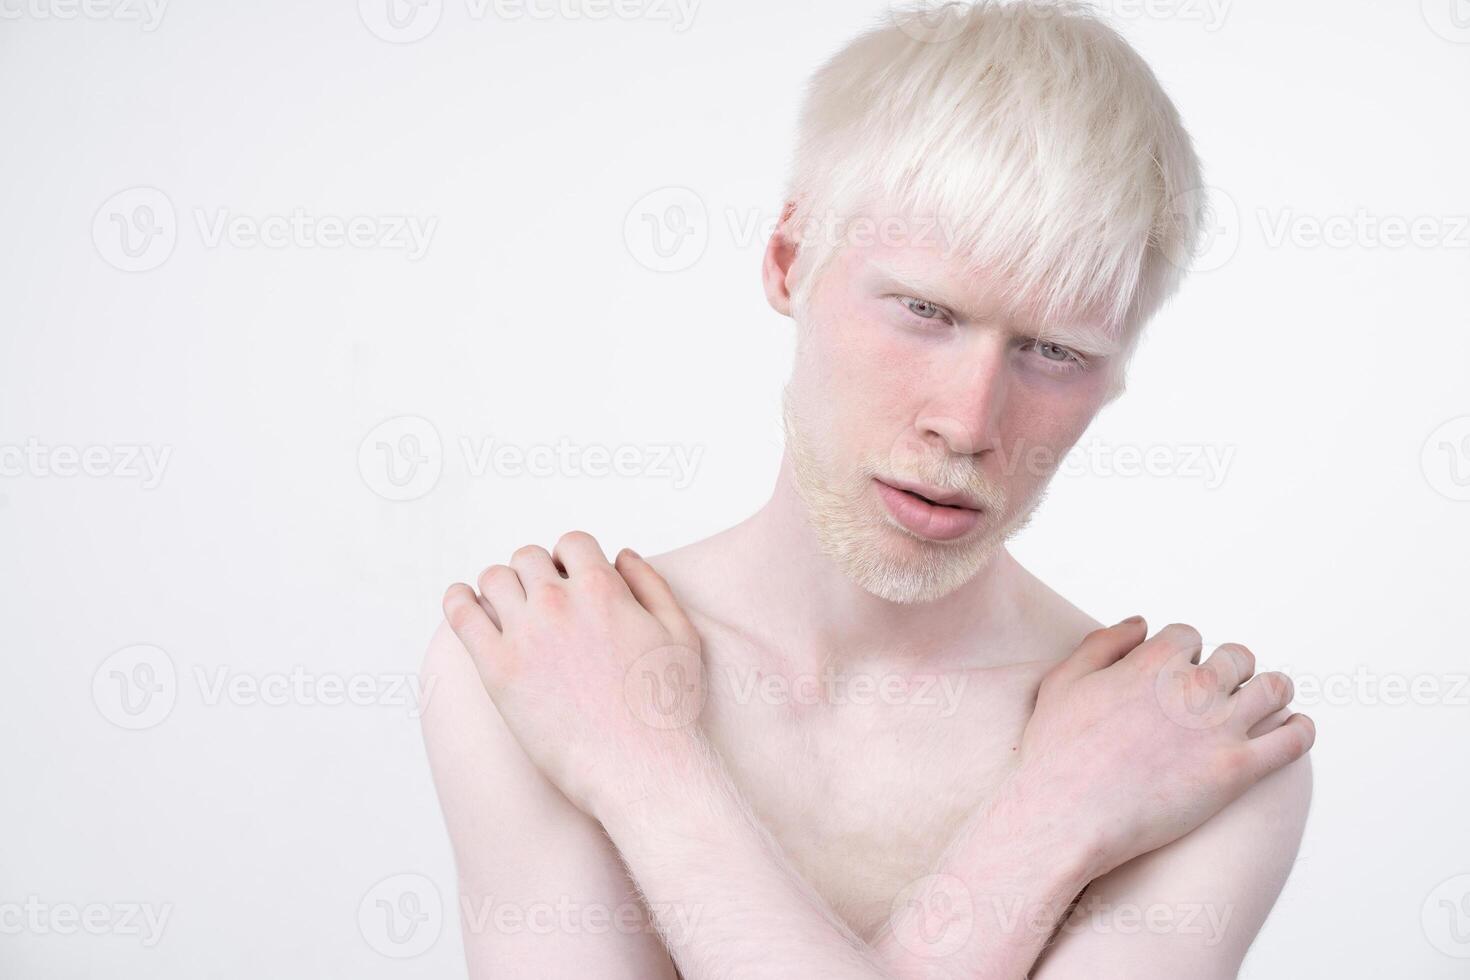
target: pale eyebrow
<point>921,287</point>
<point>1083,340</point>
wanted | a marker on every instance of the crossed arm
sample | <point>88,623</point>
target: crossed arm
<point>553,802</point>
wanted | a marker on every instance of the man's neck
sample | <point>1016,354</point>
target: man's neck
<point>814,614</point>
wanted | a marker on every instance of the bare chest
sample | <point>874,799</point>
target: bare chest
<point>864,777</point>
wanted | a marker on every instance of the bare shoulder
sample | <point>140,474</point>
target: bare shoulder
<point>1205,896</point>
<point>1058,624</point>
<point>1062,626</point>
<point>699,574</point>
<point>493,797</point>
<point>519,844</point>
<point>476,761</point>
<point>693,570</point>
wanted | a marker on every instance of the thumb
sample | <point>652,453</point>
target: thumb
<point>1104,647</point>
<point>654,594</point>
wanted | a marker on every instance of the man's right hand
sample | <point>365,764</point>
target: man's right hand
<point>1133,744</point>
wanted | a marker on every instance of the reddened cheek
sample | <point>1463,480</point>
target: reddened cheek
<point>1064,403</point>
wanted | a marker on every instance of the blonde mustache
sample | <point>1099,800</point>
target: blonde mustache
<point>954,477</point>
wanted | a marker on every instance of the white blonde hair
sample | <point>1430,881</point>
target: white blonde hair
<point>1032,129</point>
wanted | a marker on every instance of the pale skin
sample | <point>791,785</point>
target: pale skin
<point>778,825</point>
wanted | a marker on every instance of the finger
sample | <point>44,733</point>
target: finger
<point>1283,745</point>
<point>1269,723</point>
<point>533,566</point>
<point>654,594</point>
<point>1264,695</point>
<point>501,595</point>
<point>1103,648</point>
<point>1176,644</point>
<point>578,551</point>
<point>1231,665</point>
<point>467,617</point>
<point>471,624</point>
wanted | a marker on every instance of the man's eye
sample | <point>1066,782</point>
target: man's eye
<point>924,309</point>
<point>1057,354</point>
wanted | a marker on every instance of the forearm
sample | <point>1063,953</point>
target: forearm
<point>724,895</point>
<point>996,896</point>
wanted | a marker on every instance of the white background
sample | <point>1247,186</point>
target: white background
<point>1335,543</point>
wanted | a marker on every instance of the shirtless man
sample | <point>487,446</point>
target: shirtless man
<point>851,736</point>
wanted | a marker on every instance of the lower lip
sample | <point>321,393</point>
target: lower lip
<point>933,521</point>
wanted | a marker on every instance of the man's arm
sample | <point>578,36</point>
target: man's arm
<point>702,855</point>
<point>1191,908</point>
<point>728,900</point>
<point>542,891</point>
<point>1151,774</point>
<point>578,716</point>
<point>691,841</point>
<point>559,653</point>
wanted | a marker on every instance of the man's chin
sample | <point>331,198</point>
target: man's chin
<point>900,567</point>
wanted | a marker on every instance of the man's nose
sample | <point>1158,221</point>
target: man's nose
<point>966,415</point>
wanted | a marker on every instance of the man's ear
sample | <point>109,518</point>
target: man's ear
<point>779,260</point>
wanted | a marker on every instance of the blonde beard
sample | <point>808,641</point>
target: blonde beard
<point>883,559</point>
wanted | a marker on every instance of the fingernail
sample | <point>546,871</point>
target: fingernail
<point>1131,619</point>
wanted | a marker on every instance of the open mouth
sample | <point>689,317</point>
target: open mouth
<point>924,516</point>
<point>934,497</point>
<point>932,503</point>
